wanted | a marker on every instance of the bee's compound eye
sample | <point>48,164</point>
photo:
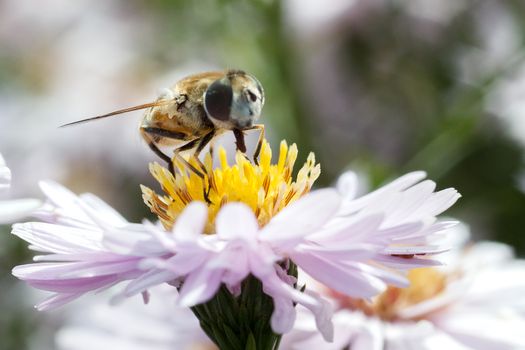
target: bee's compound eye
<point>218,100</point>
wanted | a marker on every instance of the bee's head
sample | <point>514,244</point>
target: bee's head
<point>234,101</point>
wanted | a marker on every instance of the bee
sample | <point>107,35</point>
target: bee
<point>195,110</point>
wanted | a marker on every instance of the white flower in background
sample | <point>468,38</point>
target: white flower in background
<point>475,303</point>
<point>15,209</point>
<point>162,325</point>
<point>357,246</point>
<point>5,176</point>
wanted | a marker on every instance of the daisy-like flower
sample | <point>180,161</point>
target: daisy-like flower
<point>476,302</point>
<point>15,209</point>
<point>162,325</point>
<point>234,260</point>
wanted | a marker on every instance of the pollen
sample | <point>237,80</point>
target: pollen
<point>266,188</point>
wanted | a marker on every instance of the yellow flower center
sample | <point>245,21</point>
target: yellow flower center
<point>425,283</point>
<point>266,188</point>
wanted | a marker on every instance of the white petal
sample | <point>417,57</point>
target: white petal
<point>302,217</point>
<point>341,278</point>
<point>397,185</point>
<point>350,231</point>
<point>482,330</point>
<point>59,239</point>
<point>401,263</point>
<point>236,221</point>
<point>438,203</point>
<point>132,239</point>
<point>283,316</point>
<point>370,337</point>
<point>56,301</point>
<point>148,280</point>
<point>104,209</point>
<point>58,194</point>
<point>347,185</point>
<point>486,254</point>
<point>415,250</point>
<point>5,175</point>
<point>191,222</point>
<point>409,202</point>
<point>199,287</point>
<point>16,209</point>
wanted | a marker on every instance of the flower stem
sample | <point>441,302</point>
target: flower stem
<point>240,322</point>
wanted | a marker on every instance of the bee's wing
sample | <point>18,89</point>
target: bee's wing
<point>120,111</point>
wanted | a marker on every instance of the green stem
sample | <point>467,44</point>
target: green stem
<point>240,322</point>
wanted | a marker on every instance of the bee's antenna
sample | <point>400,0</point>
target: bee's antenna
<point>120,111</point>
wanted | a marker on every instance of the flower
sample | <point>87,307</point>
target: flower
<point>5,175</point>
<point>258,224</point>
<point>483,289</point>
<point>162,325</point>
<point>15,209</point>
<point>73,239</point>
<point>265,188</point>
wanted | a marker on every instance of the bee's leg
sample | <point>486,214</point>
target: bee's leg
<point>149,134</point>
<point>181,159</point>
<point>176,153</point>
<point>164,133</point>
<point>151,143</point>
<point>239,140</point>
<point>201,143</point>
<point>257,151</point>
<point>212,149</point>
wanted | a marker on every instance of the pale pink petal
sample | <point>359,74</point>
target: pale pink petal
<point>302,217</point>
<point>408,202</point>
<point>415,250</point>
<point>234,263</point>
<point>56,301</point>
<point>58,239</point>
<point>191,222</point>
<point>403,263</point>
<point>347,185</point>
<point>348,252</point>
<point>102,208</point>
<point>132,239</point>
<point>236,221</point>
<point>357,230</point>
<point>185,262</point>
<point>437,203</point>
<point>148,280</point>
<point>16,209</point>
<point>72,285</point>
<point>338,277</point>
<point>58,195</point>
<point>397,185</point>
<point>199,287</point>
<point>283,316</point>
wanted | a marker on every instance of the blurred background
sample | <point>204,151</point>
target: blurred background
<point>381,87</point>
